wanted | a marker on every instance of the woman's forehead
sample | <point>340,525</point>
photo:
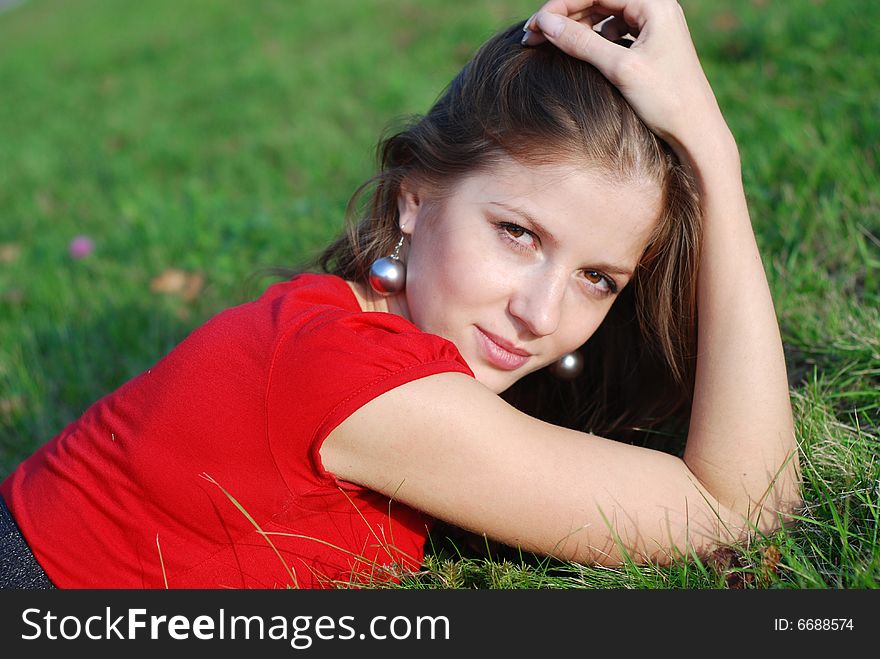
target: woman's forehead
<point>583,207</point>
<point>519,176</point>
<point>552,188</point>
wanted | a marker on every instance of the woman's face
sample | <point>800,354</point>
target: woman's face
<point>520,264</point>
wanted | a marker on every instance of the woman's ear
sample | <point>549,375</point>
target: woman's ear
<point>409,205</point>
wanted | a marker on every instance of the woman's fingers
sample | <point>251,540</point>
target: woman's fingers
<point>634,11</point>
<point>616,27</point>
<point>532,37</point>
<point>658,72</point>
<point>581,41</point>
<point>589,17</point>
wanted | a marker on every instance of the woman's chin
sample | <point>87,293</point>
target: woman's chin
<point>495,380</point>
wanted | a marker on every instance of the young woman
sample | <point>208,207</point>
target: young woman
<point>566,227</point>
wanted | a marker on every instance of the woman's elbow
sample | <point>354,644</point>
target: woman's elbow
<point>781,515</point>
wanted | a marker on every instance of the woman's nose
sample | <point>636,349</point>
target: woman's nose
<point>537,301</point>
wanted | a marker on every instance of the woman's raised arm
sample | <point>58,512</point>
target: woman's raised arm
<point>741,442</point>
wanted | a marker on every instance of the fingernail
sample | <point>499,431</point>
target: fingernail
<point>551,24</point>
<point>526,37</point>
<point>528,22</point>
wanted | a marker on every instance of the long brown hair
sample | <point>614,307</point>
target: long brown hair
<point>539,105</point>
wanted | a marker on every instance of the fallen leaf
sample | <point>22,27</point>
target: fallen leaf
<point>770,561</point>
<point>13,296</point>
<point>727,562</point>
<point>722,558</point>
<point>174,281</point>
<point>169,281</point>
<point>725,21</point>
<point>11,405</point>
<point>194,284</point>
<point>738,579</point>
<point>9,252</point>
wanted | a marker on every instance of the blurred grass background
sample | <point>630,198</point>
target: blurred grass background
<point>195,143</point>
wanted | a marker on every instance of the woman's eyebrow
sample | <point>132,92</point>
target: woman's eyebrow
<point>610,269</point>
<point>536,226</point>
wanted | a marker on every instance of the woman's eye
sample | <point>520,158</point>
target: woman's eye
<point>601,283</point>
<point>520,237</point>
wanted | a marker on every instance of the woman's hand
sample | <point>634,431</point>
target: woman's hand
<point>659,74</point>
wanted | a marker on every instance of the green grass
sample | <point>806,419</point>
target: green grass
<point>220,138</point>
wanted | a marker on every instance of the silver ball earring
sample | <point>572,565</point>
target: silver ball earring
<point>569,366</point>
<point>388,274</point>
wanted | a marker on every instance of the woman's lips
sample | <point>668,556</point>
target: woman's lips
<point>500,353</point>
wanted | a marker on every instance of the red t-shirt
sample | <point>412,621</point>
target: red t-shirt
<point>204,471</point>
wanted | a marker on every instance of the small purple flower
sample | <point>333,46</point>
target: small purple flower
<point>81,247</point>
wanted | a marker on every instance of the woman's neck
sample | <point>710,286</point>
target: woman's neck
<point>369,300</point>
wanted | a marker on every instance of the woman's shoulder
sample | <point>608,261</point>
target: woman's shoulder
<point>284,308</point>
<point>322,326</point>
<point>315,288</point>
<point>322,312</point>
<point>305,293</point>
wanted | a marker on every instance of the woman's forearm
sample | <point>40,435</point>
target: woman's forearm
<point>741,443</point>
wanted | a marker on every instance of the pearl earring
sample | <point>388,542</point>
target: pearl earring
<point>569,366</point>
<point>388,274</point>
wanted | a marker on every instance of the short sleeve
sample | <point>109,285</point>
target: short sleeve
<point>325,369</point>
